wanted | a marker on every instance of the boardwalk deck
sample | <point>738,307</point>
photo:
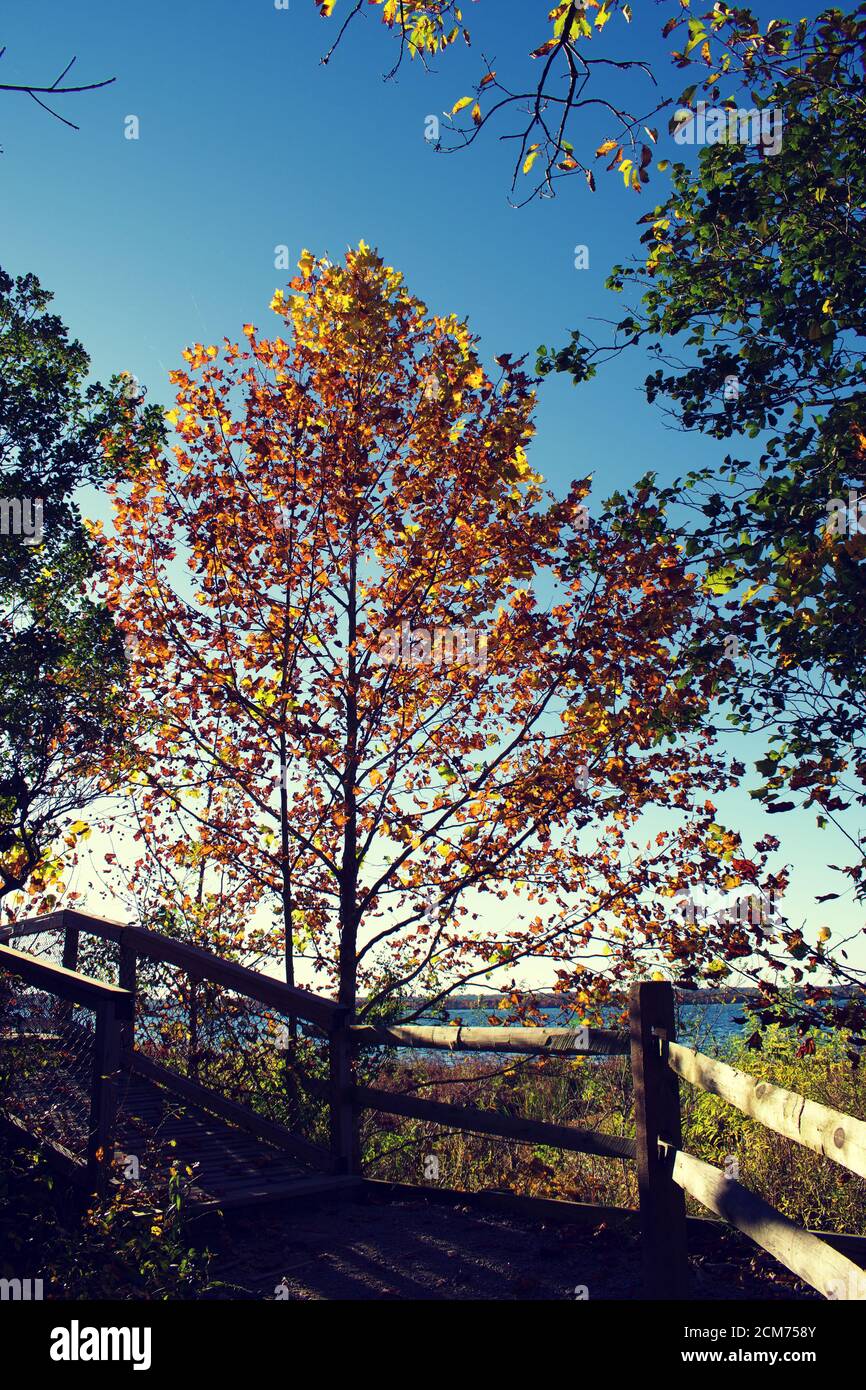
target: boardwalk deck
<point>232,1168</point>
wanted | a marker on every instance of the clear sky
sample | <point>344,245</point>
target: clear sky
<point>247,142</point>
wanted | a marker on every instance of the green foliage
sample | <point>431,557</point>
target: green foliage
<point>136,1244</point>
<point>811,1190</point>
<point>61,661</point>
<point>756,269</point>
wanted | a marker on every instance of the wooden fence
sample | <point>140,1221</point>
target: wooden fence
<point>88,1089</point>
<point>665,1172</point>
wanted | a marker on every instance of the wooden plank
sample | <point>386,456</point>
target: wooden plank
<point>554,1210</point>
<point>293,1190</point>
<point>556,1041</point>
<point>466,1117</point>
<point>66,984</point>
<point>63,920</point>
<point>343,1114</point>
<point>200,963</point>
<point>103,1096</point>
<point>126,978</point>
<point>657,1116</point>
<point>58,1156</point>
<point>271,1133</point>
<point>824,1268</point>
<point>817,1127</point>
<point>204,965</point>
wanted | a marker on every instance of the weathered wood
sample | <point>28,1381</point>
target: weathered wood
<point>236,1114</point>
<point>66,984</point>
<point>67,919</point>
<point>203,965</point>
<point>126,979</point>
<point>466,1117</point>
<point>816,1127</point>
<point>69,960</point>
<point>103,1096</point>
<point>557,1041</point>
<point>558,1211</point>
<point>198,962</point>
<point>810,1259</point>
<point>343,1114</point>
<point>657,1116</point>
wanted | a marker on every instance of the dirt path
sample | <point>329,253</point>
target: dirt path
<point>410,1250</point>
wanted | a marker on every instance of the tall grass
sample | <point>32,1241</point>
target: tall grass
<point>597,1094</point>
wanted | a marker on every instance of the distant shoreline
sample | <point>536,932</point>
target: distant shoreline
<point>546,1000</point>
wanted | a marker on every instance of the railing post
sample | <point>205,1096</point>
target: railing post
<point>126,979</point>
<point>344,1130</point>
<point>657,1116</point>
<point>69,961</point>
<point>103,1097</point>
<point>70,944</point>
<point>192,1045</point>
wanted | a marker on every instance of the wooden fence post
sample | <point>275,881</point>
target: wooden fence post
<point>126,979</point>
<point>69,961</point>
<point>70,944</point>
<point>657,1116</point>
<point>344,1115</point>
<point>103,1096</point>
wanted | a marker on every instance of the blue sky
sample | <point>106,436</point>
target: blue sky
<point>247,142</point>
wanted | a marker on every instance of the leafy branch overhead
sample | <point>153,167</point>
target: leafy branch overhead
<point>754,275</point>
<point>551,110</point>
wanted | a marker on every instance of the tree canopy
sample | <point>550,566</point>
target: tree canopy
<point>61,662</point>
<point>399,680</point>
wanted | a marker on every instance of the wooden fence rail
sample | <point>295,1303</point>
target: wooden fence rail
<point>817,1127</point>
<point>554,1041</point>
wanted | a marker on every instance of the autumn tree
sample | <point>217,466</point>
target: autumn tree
<point>395,702</point>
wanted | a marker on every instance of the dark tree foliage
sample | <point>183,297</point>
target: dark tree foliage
<point>754,304</point>
<point>62,663</point>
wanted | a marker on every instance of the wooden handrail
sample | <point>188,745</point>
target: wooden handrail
<point>817,1127</point>
<point>555,1041</point>
<point>824,1268</point>
<point>204,965</point>
<point>62,919</point>
<point>585,1141</point>
<point>66,984</point>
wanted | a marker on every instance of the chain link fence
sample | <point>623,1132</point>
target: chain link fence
<point>234,1046</point>
<point>46,1064</point>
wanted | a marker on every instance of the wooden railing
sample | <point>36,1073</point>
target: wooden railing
<point>665,1172</point>
<point>559,1042</point>
<point>59,1074</point>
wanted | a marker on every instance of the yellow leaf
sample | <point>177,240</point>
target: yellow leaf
<point>459,105</point>
<point>530,159</point>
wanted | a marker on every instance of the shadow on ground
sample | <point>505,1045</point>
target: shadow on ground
<point>411,1249</point>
